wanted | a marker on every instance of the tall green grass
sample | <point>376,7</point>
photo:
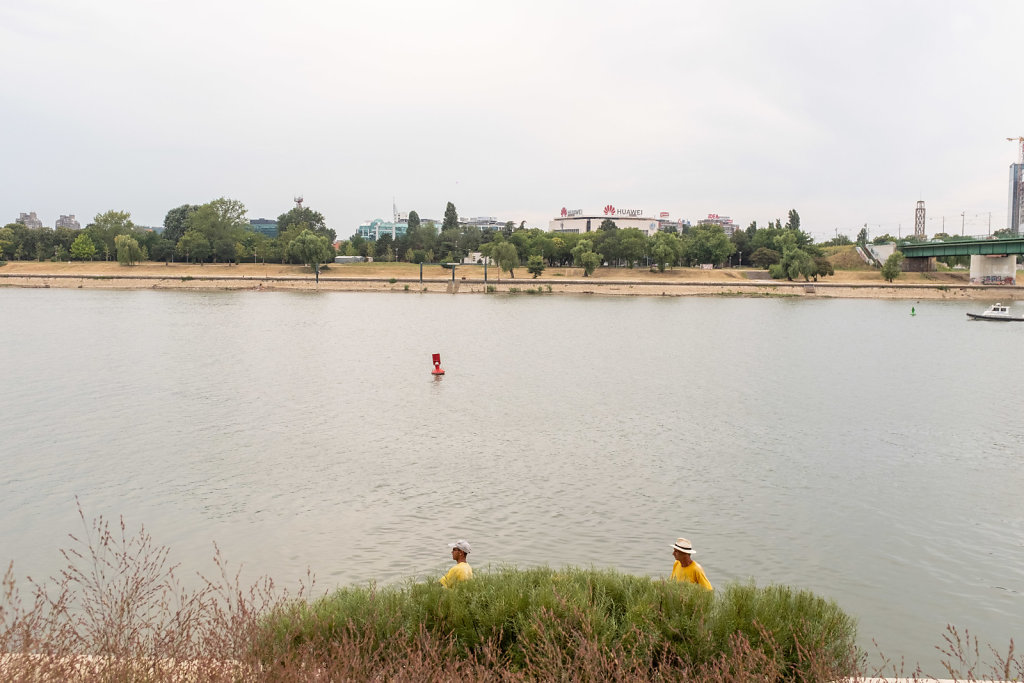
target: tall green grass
<point>517,616</point>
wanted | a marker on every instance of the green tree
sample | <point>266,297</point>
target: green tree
<point>221,219</point>
<point>106,226</point>
<point>584,257</point>
<point>313,220</point>
<point>224,250</point>
<point>794,220</point>
<point>384,246</point>
<point>795,262</point>
<point>310,249</point>
<point>666,249</point>
<point>128,251</point>
<point>176,221</point>
<point>823,267</point>
<point>413,221</point>
<point>764,257</point>
<point>451,218</point>
<point>708,244</point>
<point>83,248</point>
<point>193,244</point>
<point>506,256</point>
<point>892,266</point>
<point>589,261</point>
<point>535,264</point>
<point>470,239</point>
<point>7,243</point>
<point>632,246</point>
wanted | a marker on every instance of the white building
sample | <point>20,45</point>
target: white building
<point>579,221</point>
<point>29,220</point>
<point>68,222</point>
<point>724,222</point>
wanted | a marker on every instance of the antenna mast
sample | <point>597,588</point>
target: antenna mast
<point>298,202</point>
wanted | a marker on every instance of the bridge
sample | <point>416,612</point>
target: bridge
<point>965,247</point>
<point>993,260</point>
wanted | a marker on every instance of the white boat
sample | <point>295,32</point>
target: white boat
<point>996,312</point>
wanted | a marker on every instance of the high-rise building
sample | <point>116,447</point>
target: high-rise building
<point>68,222</point>
<point>264,226</point>
<point>1015,216</point>
<point>29,220</point>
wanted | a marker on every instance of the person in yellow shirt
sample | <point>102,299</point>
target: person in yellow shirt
<point>685,569</point>
<point>461,571</point>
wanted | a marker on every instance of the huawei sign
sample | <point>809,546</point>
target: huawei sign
<point>609,210</point>
<point>565,212</point>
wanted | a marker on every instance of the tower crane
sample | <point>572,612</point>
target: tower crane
<point>1020,153</point>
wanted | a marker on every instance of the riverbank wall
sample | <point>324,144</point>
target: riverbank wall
<point>600,287</point>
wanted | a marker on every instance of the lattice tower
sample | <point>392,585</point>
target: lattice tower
<point>919,221</point>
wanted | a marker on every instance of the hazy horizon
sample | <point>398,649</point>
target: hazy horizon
<point>847,112</point>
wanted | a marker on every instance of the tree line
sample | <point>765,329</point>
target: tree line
<point>784,249</point>
<point>217,231</point>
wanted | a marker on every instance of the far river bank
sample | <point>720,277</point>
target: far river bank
<point>408,277</point>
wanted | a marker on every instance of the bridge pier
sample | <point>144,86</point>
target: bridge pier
<point>920,265</point>
<point>993,270</point>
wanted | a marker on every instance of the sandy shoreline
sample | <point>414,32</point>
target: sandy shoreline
<point>405,278</point>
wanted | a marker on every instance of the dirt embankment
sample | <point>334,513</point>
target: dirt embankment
<point>406,277</point>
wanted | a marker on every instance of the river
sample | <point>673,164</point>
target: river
<point>843,446</point>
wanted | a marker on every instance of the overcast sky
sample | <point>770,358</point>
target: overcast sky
<point>849,112</point>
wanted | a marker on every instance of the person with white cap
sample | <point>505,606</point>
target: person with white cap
<point>685,570</point>
<point>461,571</point>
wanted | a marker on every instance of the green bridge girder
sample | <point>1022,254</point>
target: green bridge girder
<point>988,247</point>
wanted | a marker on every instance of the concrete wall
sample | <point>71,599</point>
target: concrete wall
<point>993,270</point>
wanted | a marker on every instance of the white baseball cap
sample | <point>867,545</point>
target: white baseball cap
<point>462,544</point>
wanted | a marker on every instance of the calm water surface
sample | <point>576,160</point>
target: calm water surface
<point>838,445</point>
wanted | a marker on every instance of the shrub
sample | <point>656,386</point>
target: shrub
<point>540,620</point>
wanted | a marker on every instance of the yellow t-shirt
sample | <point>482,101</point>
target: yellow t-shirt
<point>692,573</point>
<point>460,572</point>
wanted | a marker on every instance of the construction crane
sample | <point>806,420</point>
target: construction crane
<point>1020,154</point>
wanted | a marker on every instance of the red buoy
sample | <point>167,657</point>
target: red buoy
<point>437,365</point>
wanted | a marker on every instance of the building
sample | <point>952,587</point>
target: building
<point>724,222</point>
<point>264,226</point>
<point>29,220</point>
<point>1015,216</point>
<point>579,221</point>
<point>371,230</point>
<point>482,222</point>
<point>68,222</point>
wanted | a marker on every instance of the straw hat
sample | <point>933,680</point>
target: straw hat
<point>685,546</point>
